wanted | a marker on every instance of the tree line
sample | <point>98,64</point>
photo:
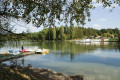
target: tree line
<point>62,33</point>
<point>68,33</point>
<point>45,12</point>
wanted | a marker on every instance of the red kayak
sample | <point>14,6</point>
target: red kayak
<point>24,51</point>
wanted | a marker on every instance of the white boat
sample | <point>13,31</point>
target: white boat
<point>13,52</point>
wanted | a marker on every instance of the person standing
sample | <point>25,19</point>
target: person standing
<point>22,47</point>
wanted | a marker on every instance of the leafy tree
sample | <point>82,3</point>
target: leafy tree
<point>72,31</point>
<point>46,11</point>
<point>50,34</point>
<point>66,29</point>
<point>104,30</point>
<point>54,33</point>
<point>110,31</point>
<point>61,34</point>
<point>116,31</point>
<point>78,33</point>
<point>43,34</point>
<point>98,32</point>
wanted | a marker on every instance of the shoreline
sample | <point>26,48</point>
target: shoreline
<point>30,73</point>
<point>4,57</point>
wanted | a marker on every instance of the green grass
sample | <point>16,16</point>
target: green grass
<point>113,39</point>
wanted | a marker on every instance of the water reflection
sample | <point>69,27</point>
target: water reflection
<point>97,61</point>
<point>22,61</point>
<point>72,49</point>
<point>65,48</point>
<point>13,62</point>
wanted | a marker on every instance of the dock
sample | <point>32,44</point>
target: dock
<point>4,57</point>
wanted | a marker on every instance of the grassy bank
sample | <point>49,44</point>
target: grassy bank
<point>113,39</point>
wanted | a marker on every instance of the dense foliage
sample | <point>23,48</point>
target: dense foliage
<point>6,33</point>
<point>61,33</point>
<point>46,12</point>
<point>68,33</point>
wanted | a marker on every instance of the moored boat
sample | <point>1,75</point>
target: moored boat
<point>37,51</point>
<point>46,50</point>
<point>6,53</point>
<point>26,50</point>
<point>11,52</point>
<point>42,51</point>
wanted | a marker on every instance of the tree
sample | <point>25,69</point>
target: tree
<point>5,31</point>
<point>79,33</point>
<point>104,31</point>
<point>50,34</point>
<point>72,31</point>
<point>46,11</point>
<point>61,34</point>
<point>54,33</point>
<point>117,31</point>
<point>44,34</point>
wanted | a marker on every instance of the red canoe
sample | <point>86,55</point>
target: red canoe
<point>24,51</point>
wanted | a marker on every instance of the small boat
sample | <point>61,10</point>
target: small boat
<point>14,52</point>
<point>11,52</point>
<point>46,50</point>
<point>37,51</point>
<point>42,51</point>
<point>6,53</point>
<point>26,50</point>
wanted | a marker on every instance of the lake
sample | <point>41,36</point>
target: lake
<point>96,61</point>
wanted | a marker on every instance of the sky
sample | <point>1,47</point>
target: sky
<point>103,18</point>
<point>100,18</point>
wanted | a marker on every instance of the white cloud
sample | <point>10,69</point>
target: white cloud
<point>97,26</point>
<point>103,19</point>
<point>93,0</point>
<point>97,4</point>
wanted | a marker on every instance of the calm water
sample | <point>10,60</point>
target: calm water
<point>96,61</point>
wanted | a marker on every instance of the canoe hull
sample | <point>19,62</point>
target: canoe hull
<point>24,51</point>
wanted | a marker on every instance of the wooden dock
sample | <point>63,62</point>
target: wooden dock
<point>9,57</point>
